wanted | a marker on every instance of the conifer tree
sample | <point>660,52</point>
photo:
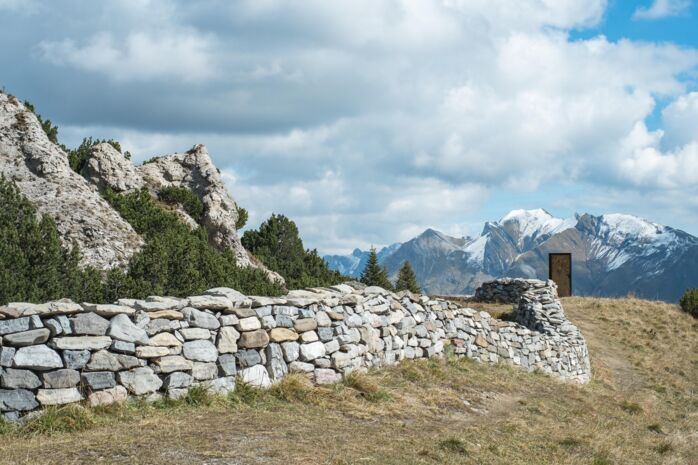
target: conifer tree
<point>278,245</point>
<point>407,280</point>
<point>374,274</point>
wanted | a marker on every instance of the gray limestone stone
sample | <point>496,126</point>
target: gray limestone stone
<point>6,356</point>
<point>256,376</point>
<point>310,352</point>
<point>76,359</point>
<point>19,379</point>
<point>227,365</point>
<point>140,381</point>
<point>248,357</point>
<point>123,347</point>
<point>200,351</point>
<point>58,396</point>
<point>276,366</point>
<point>27,338</point>
<point>59,379</point>
<point>89,324</point>
<point>39,357</point>
<point>122,328</point>
<point>17,399</point>
<point>291,350</point>
<point>98,380</point>
<point>204,371</point>
<point>104,360</point>
<point>200,319</point>
<point>177,380</point>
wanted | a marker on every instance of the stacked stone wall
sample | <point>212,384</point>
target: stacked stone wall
<point>62,352</point>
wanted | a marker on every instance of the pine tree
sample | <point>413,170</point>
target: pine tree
<point>407,280</point>
<point>374,274</point>
<point>278,245</point>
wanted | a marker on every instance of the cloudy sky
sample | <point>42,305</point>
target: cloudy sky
<point>367,121</point>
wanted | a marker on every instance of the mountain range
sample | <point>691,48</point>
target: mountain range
<point>612,255</point>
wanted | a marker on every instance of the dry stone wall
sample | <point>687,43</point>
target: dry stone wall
<point>62,352</point>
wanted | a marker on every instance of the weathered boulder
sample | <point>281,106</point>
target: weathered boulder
<point>59,379</point>
<point>19,379</point>
<point>200,319</point>
<point>98,380</point>
<point>122,328</point>
<point>81,342</point>
<point>253,339</point>
<point>140,381</point>
<point>17,399</point>
<point>89,324</point>
<point>195,170</point>
<point>106,168</point>
<point>200,351</point>
<point>108,396</point>
<point>39,358</point>
<point>58,396</point>
<point>256,376</point>
<point>27,338</point>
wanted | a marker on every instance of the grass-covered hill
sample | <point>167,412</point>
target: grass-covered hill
<point>640,408</point>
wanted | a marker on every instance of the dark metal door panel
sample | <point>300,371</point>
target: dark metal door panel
<point>560,271</point>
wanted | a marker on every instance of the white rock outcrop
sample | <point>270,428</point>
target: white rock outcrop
<point>41,171</point>
<point>193,170</point>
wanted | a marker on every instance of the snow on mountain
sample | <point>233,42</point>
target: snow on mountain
<point>613,254</point>
<point>534,224</point>
<point>476,249</point>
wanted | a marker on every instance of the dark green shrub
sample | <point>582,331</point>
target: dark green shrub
<point>242,218</point>
<point>176,260</point>
<point>185,198</point>
<point>34,266</point>
<point>278,245</point>
<point>689,302</point>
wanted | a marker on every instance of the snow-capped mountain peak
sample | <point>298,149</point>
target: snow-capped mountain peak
<point>612,255</point>
<point>619,227</point>
<point>527,227</point>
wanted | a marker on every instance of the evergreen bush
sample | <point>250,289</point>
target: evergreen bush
<point>34,266</point>
<point>374,274</point>
<point>406,279</point>
<point>278,245</point>
<point>689,302</point>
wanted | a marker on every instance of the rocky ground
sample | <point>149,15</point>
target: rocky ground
<point>640,408</point>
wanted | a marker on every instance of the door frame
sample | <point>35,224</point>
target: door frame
<point>550,266</point>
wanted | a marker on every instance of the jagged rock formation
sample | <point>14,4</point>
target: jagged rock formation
<point>107,167</point>
<point>193,170</point>
<point>41,171</point>
<point>62,352</point>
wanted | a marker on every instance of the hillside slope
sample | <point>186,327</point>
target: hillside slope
<point>640,408</point>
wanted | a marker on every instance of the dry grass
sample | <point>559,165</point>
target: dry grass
<point>641,408</point>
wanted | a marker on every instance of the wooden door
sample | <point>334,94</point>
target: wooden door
<point>560,271</point>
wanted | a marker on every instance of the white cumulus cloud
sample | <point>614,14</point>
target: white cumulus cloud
<point>662,9</point>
